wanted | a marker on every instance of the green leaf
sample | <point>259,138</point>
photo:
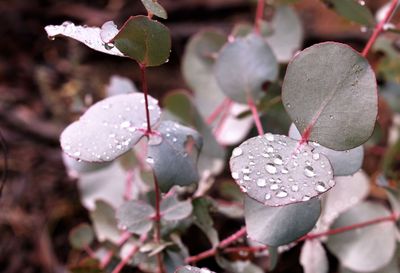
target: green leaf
<point>197,69</point>
<point>341,108</point>
<point>173,155</point>
<point>109,128</point>
<point>243,66</point>
<point>90,36</point>
<point>369,248</point>
<point>352,10</point>
<point>275,171</point>
<point>192,269</point>
<point>343,162</point>
<point>104,223</point>
<point>275,226</point>
<point>136,217</point>
<point>173,210</point>
<point>144,40</point>
<point>153,7</point>
<point>313,257</point>
<point>81,236</point>
<point>202,219</point>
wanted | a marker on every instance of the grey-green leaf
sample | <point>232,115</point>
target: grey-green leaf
<point>173,210</point>
<point>343,162</point>
<point>153,7</point>
<point>104,223</point>
<point>243,66</point>
<point>341,108</point>
<point>352,10</point>
<point>366,249</point>
<point>173,155</point>
<point>136,217</point>
<point>276,171</point>
<point>202,219</point>
<point>146,41</point>
<point>313,257</point>
<point>81,236</point>
<point>109,128</point>
<point>90,36</point>
<point>277,226</point>
<point>192,269</point>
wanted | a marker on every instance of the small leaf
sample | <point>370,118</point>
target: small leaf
<point>172,209</point>
<point>136,217</point>
<point>109,128</point>
<point>89,36</point>
<point>153,7</point>
<point>313,257</point>
<point>197,69</point>
<point>144,40</point>
<point>243,66</point>
<point>192,269</point>
<point>81,236</point>
<point>104,223</point>
<point>287,35</point>
<point>366,249</point>
<point>173,155</point>
<point>275,226</point>
<point>273,170</point>
<point>202,219</point>
<point>353,11</point>
<point>238,266</point>
<point>340,109</point>
<point>343,162</point>
<point>108,31</point>
<point>348,192</point>
<point>120,85</point>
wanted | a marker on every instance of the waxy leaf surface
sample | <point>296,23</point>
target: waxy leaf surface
<point>153,7</point>
<point>135,216</point>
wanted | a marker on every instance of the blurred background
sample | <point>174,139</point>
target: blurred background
<point>44,85</point>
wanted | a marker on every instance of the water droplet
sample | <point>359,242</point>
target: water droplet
<point>315,156</point>
<point>364,29</point>
<point>270,149</point>
<point>274,187</point>
<point>77,154</point>
<point>295,188</point>
<point>288,105</point>
<point>309,171</point>
<point>269,136</point>
<point>267,196</point>
<point>235,175</point>
<point>246,178</point>
<point>290,179</point>
<point>320,187</point>
<point>331,183</point>
<point>281,194</point>
<point>261,182</point>
<point>306,198</point>
<point>331,116</point>
<point>125,124</point>
<point>246,170</point>
<point>174,139</point>
<point>270,168</point>
<point>237,152</point>
<point>278,160</point>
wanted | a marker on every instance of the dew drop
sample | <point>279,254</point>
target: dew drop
<point>246,178</point>
<point>269,136</point>
<point>125,124</point>
<point>274,187</point>
<point>315,156</point>
<point>320,187</point>
<point>281,194</point>
<point>270,168</point>
<point>331,183</point>
<point>77,154</point>
<point>246,170</point>
<point>267,196</point>
<point>237,152</point>
<point>278,160</point>
<point>288,105</point>
<point>235,175</point>
<point>295,188</point>
<point>261,182</point>
<point>309,171</point>
<point>306,198</point>
<point>284,170</point>
<point>270,149</point>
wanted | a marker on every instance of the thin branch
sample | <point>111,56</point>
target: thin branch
<point>379,28</point>
<point>215,114</point>
<point>157,220</point>
<point>128,257</point>
<point>256,116</point>
<point>107,259</point>
<point>259,15</point>
<point>146,92</point>
<point>223,118</point>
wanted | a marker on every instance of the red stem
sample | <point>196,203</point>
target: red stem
<point>146,92</point>
<point>256,116</point>
<point>128,257</point>
<point>379,27</point>
<point>128,185</point>
<point>223,118</point>
<point>259,15</point>
<point>107,259</point>
<point>217,111</point>
<point>211,252</point>
<point>157,220</point>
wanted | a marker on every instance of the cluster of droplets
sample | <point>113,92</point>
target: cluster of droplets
<point>273,170</point>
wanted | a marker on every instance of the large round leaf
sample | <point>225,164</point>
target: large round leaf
<point>366,249</point>
<point>109,128</point>
<point>332,89</point>
<point>273,170</point>
<point>136,216</point>
<point>275,226</point>
<point>243,66</point>
<point>313,257</point>
<point>343,162</point>
<point>146,41</point>
<point>173,155</point>
<point>172,209</point>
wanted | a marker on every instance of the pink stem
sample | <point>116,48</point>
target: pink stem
<point>146,92</point>
<point>128,185</point>
<point>259,15</point>
<point>157,220</point>
<point>256,116</point>
<point>107,259</point>
<point>217,111</point>
<point>128,257</point>
<point>223,118</point>
<point>379,27</point>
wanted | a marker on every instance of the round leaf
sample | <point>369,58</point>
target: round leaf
<point>109,128</point>
<point>90,36</point>
<point>146,41</point>
<point>343,162</point>
<point>173,155</point>
<point>153,7</point>
<point>243,66</point>
<point>313,257</point>
<point>275,226</point>
<point>136,217</point>
<point>104,222</point>
<point>172,209</point>
<point>81,236</point>
<point>272,169</point>
<point>332,88</point>
<point>192,269</point>
<point>366,249</point>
